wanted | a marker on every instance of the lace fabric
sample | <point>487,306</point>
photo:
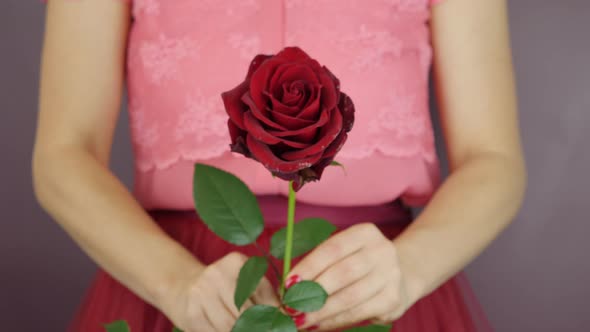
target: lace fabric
<point>184,53</point>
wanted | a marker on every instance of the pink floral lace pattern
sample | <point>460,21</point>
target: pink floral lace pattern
<point>183,53</point>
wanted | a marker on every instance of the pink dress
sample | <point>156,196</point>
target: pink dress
<point>183,53</point>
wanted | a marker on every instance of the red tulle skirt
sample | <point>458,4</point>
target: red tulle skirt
<point>450,308</point>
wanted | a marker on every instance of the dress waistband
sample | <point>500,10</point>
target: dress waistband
<point>274,211</point>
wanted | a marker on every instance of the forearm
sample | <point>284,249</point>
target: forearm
<point>100,214</point>
<point>475,203</point>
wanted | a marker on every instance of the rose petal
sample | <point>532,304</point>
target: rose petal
<point>333,77</point>
<point>255,64</point>
<point>262,115</point>
<point>255,129</point>
<point>234,106</point>
<point>327,135</point>
<point>293,53</point>
<point>290,122</point>
<point>261,79</point>
<point>310,112</point>
<point>324,117</point>
<point>264,154</point>
<point>329,92</point>
<point>314,93</point>
<point>278,106</point>
<point>295,93</point>
<point>293,73</point>
<point>238,139</point>
<point>346,107</point>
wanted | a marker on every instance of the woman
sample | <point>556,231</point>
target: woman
<point>161,266</point>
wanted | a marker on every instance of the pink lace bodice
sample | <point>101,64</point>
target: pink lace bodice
<point>182,54</point>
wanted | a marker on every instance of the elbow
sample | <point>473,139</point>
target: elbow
<point>42,179</point>
<point>48,172</point>
<point>520,174</point>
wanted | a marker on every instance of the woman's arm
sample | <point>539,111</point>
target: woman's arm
<point>476,94</point>
<point>80,93</point>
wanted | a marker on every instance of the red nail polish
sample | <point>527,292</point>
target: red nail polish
<point>299,320</point>
<point>292,312</point>
<point>313,328</point>
<point>292,280</point>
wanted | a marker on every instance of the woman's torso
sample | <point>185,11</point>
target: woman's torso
<point>182,54</point>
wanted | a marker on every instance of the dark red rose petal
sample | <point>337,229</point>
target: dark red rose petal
<point>327,135</point>
<point>307,136</point>
<point>313,110</point>
<point>234,131</point>
<point>234,106</point>
<point>262,115</point>
<point>314,93</point>
<point>278,106</point>
<point>290,122</point>
<point>333,77</point>
<point>255,129</point>
<point>255,63</point>
<point>293,54</point>
<point>324,117</point>
<point>329,92</point>
<point>295,92</point>
<point>293,73</point>
<point>238,139</point>
<point>346,107</point>
<point>261,79</point>
<point>329,154</point>
<point>263,154</point>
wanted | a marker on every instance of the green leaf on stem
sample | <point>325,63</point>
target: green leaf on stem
<point>307,234</point>
<point>250,275</point>
<point>226,205</point>
<point>264,318</point>
<point>117,326</point>
<point>335,163</point>
<point>370,328</point>
<point>176,329</point>
<point>305,296</point>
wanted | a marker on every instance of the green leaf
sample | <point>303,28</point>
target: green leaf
<point>305,296</point>
<point>370,328</point>
<point>226,205</point>
<point>263,318</point>
<point>250,275</point>
<point>335,163</point>
<point>117,326</point>
<point>307,234</point>
<point>176,329</point>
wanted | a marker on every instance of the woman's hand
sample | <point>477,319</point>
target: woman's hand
<point>359,269</point>
<point>204,302</point>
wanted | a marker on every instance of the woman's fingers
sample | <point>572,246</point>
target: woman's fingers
<point>363,311</point>
<point>334,249</point>
<point>218,315</point>
<point>360,292</point>
<point>265,294</point>
<point>227,298</point>
<point>346,272</point>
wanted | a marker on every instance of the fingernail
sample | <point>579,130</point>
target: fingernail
<point>313,328</point>
<point>292,312</point>
<point>292,280</point>
<point>299,320</point>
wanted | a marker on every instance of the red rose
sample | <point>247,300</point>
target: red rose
<point>290,115</point>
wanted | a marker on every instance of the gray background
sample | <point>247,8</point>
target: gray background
<point>534,278</point>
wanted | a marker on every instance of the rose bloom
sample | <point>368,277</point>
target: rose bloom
<point>290,115</point>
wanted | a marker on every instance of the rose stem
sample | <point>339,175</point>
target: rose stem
<point>289,240</point>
